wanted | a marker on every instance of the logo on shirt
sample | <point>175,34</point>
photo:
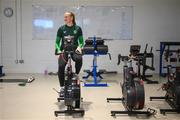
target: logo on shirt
<point>75,31</point>
<point>64,32</point>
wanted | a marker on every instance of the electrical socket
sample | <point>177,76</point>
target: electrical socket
<point>16,61</point>
<point>21,61</point>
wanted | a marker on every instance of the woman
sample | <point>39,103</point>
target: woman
<point>69,29</point>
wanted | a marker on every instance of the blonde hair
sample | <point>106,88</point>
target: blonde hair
<point>73,16</point>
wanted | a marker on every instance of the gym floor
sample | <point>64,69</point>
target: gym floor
<point>38,100</point>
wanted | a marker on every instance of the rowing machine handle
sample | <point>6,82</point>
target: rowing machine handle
<point>151,49</point>
<point>146,48</point>
<point>109,55</point>
<point>119,59</point>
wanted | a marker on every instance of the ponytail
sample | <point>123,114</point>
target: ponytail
<point>74,20</point>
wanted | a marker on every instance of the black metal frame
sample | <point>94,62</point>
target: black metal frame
<point>70,111</point>
<point>143,62</point>
<point>168,100</point>
<point>175,107</point>
<point>1,73</point>
<point>148,112</point>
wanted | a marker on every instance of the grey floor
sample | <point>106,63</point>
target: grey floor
<point>38,100</point>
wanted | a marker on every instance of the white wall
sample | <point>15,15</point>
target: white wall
<point>154,21</point>
<point>0,37</point>
<point>178,17</point>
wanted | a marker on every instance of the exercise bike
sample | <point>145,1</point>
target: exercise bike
<point>72,89</point>
<point>132,88</point>
<point>172,86</point>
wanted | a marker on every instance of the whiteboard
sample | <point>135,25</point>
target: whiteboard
<point>110,22</point>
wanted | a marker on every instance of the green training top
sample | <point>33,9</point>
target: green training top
<point>65,31</point>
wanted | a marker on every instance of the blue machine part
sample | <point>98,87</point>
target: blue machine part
<point>96,82</point>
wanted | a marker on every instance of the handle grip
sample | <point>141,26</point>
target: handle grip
<point>119,59</point>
